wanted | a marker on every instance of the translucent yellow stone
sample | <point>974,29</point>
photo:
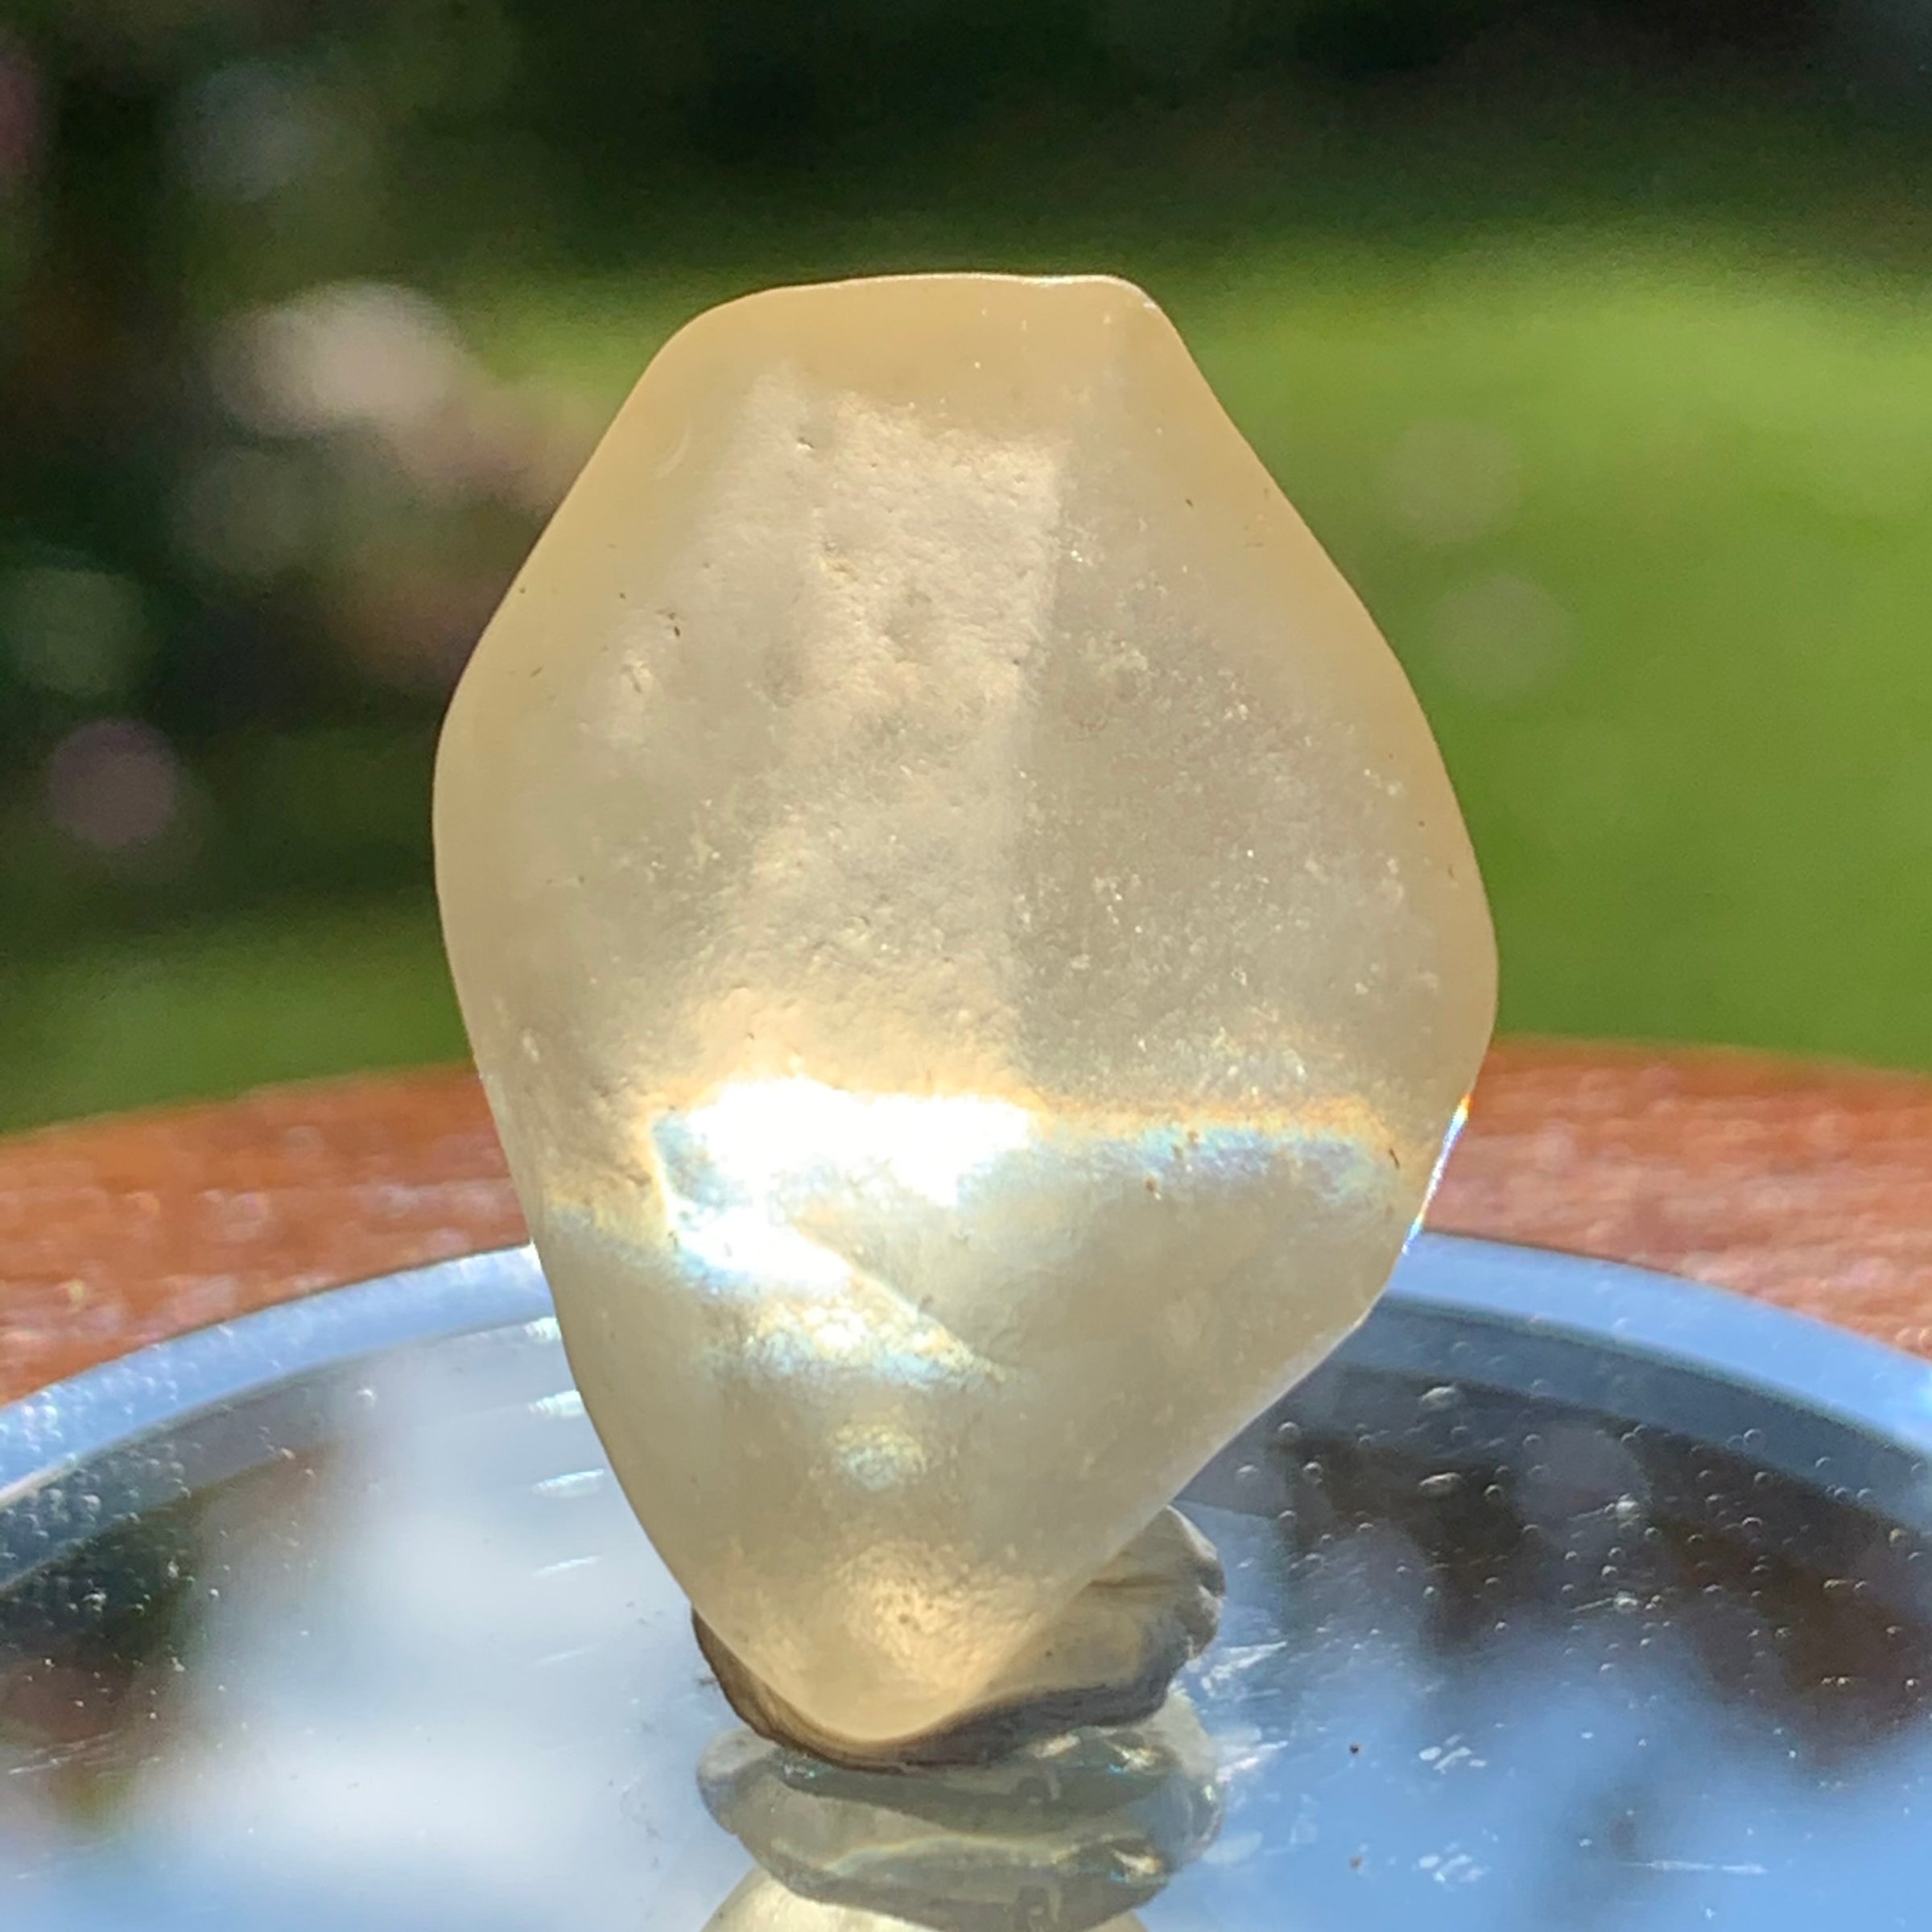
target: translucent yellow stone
<point>1106,1658</point>
<point>972,951</point>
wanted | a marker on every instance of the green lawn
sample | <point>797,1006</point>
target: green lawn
<point>1650,520</point>
<point>1650,524</point>
<point>271,997</point>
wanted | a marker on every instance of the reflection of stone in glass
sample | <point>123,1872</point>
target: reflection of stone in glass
<point>972,950</point>
<point>1068,1831</point>
<point>762,1904</point>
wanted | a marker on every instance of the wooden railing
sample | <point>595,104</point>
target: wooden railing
<point>1809,1186</point>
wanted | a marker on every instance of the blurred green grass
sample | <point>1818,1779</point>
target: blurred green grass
<point>1665,600</point>
<point>288,994</point>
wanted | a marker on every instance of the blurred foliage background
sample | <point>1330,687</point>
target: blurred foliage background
<point>1592,338</point>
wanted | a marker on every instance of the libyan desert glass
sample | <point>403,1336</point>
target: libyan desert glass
<point>1108,1658</point>
<point>972,950</point>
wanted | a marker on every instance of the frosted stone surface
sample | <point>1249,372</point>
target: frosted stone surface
<point>972,950</point>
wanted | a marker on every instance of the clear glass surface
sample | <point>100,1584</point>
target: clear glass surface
<point>1508,1645</point>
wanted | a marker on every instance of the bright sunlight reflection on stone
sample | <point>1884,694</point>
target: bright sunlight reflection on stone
<point>732,1169</point>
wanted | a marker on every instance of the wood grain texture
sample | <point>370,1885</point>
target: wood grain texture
<point>1809,1186</point>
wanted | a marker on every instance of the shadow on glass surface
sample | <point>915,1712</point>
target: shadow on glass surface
<point>374,1640</point>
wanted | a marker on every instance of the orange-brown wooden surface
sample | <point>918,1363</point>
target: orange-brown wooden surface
<point>1809,1186</point>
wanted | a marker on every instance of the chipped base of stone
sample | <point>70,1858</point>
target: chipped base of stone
<point>1107,1660</point>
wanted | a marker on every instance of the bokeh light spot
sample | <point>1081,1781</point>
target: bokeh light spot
<point>1500,637</point>
<point>73,629</point>
<point>113,784</point>
<point>1451,482</point>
